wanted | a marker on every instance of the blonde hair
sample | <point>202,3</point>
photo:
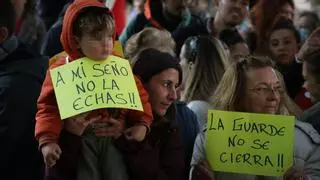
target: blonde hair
<point>209,61</point>
<point>149,38</point>
<point>232,86</point>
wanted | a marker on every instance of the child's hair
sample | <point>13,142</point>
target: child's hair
<point>92,21</point>
<point>230,37</point>
<point>7,16</point>
<point>284,23</point>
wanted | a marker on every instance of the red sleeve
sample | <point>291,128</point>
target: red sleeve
<point>48,121</point>
<point>138,117</point>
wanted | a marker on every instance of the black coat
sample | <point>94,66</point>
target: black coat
<point>21,77</point>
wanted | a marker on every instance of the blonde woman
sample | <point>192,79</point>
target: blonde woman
<point>203,60</point>
<point>149,38</point>
<point>253,85</point>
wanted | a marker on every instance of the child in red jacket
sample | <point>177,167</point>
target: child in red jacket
<point>88,31</point>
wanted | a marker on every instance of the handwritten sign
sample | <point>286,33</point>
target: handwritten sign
<point>249,143</point>
<point>84,85</point>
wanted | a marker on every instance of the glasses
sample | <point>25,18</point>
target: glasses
<point>267,90</point>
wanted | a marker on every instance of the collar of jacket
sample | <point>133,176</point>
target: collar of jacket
<point>8,47</point>
<point>168,118</point>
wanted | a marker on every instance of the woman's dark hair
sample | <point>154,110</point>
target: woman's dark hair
<point>150,62</point>
<point>284,23</point>
<point>230,37</point>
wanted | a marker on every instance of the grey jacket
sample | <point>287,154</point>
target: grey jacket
<point>200,108</point>
<point>306,154</point>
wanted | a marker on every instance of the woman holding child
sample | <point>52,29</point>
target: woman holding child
<point>253,85</point>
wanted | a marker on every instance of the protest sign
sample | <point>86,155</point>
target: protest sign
<point>84,85</point>
<point>249,143</point>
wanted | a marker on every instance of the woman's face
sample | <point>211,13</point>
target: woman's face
<point>283,46</point>
<point>162,89</point>
<point>19,6</point>
<point>262,91</point>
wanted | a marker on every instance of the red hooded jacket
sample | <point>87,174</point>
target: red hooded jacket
<point>48,121</point>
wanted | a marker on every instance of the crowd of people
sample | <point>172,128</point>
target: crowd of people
<point>259,56</point>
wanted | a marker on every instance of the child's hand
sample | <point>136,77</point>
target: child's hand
<point>51,153</point>
<point>137,133</point>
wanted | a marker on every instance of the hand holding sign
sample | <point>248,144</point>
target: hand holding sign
<point>84,85</point>
<point>293,174</point>
<point>249,143</point>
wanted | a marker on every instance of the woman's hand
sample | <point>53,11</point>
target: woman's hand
<point>77,124</point>
<point>295,174</point>
<point>202,171</point>
<point>109,127</point>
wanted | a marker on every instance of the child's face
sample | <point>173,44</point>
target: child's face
<point>98,47</point>
<point>283,45</point>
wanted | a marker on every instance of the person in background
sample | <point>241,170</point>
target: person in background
<point>149,38</point>
<point>263,16</point>
<point>21,76</point>
<point>284,43</point>
<point>311,46</point>
<point>237,46</point>
<point>306,23</point>
<point>30,29</point>
<point>263,91</point>
<point>203,61</point>
<point>170,15</point>
<point>162,41</point>
<point>138,7</point>
<point>89,31</point>
<point>311,71</point>
<point>199,8</point>
<point>230,13</point>
<point>52,44</point>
